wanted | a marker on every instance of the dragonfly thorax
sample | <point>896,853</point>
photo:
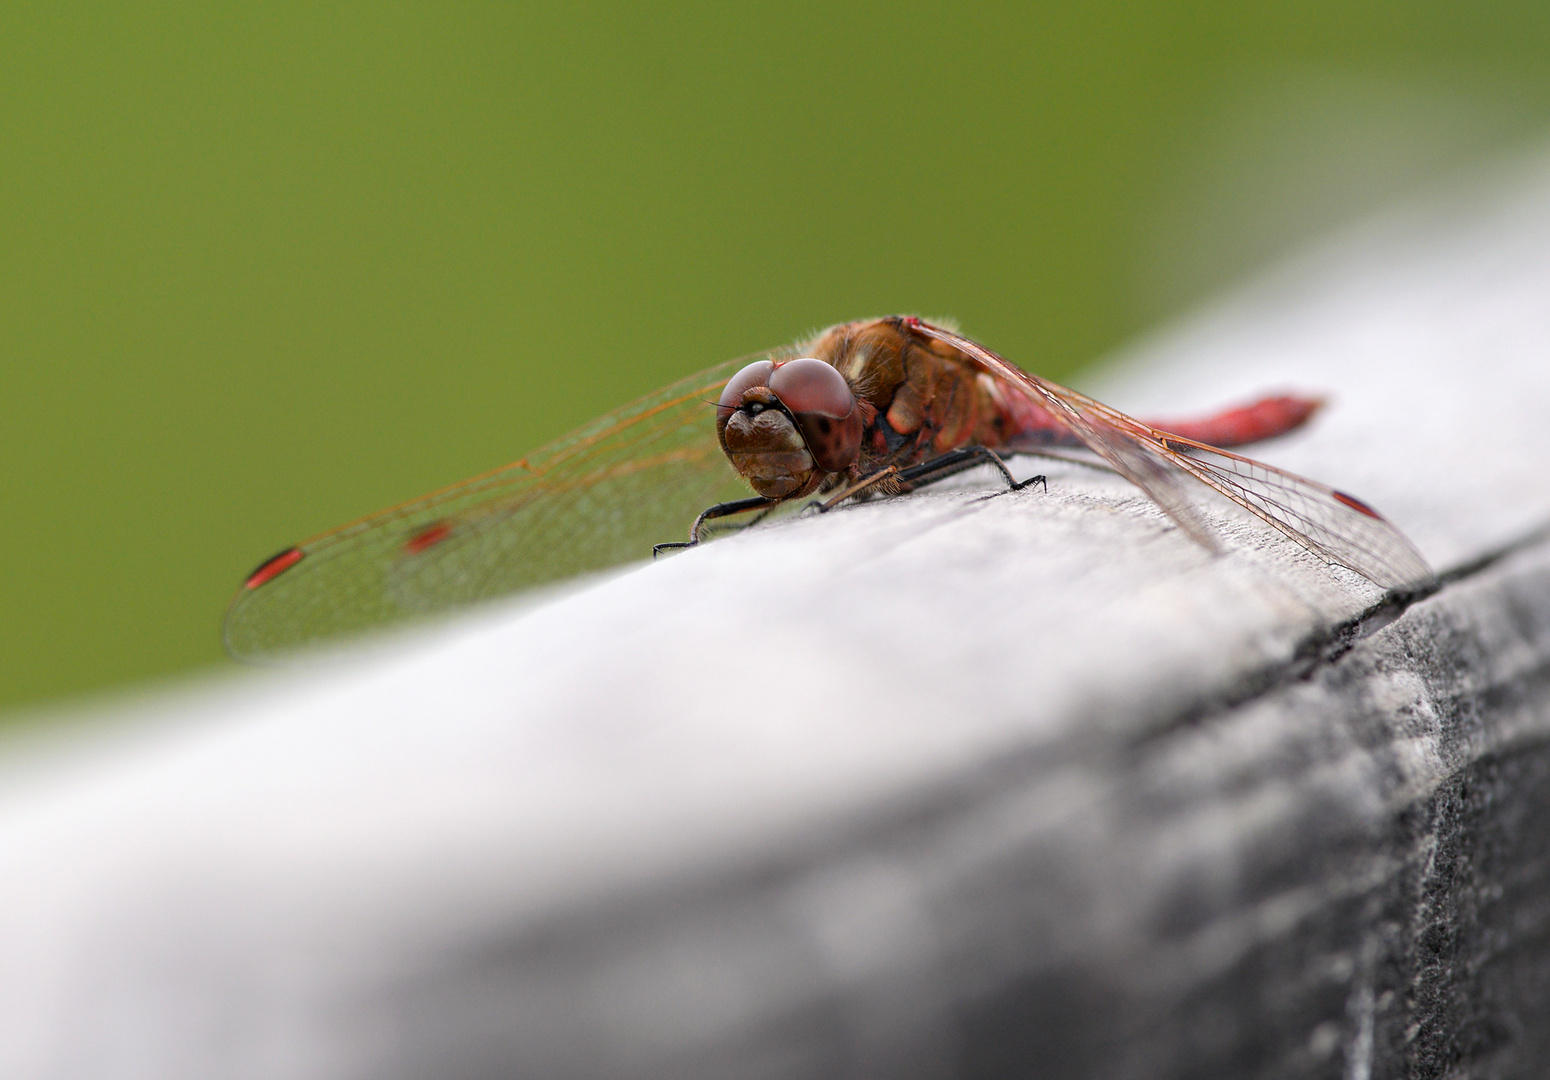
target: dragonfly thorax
<point>787,426</point>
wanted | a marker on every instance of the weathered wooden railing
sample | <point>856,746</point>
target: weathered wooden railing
<point>959,785</point>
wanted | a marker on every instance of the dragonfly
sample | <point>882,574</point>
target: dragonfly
<point>865,409</point>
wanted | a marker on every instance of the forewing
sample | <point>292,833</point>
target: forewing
<point>1136,462</point>
<point>596,498</point>
<point>1330,523</point>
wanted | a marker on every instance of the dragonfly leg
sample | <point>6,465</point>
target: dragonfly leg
<point>961,460</point>
<point>929,472</point>
<point>855,489</point>
<point>737,506</point>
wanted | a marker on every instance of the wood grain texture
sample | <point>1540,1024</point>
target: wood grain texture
<point>961,785</point>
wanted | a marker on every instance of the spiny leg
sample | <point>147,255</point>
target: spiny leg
<point>855,489</point>
<point>916,476</point>
<point>961,460</point>
<point>929,472</point>
<point>737,506</point>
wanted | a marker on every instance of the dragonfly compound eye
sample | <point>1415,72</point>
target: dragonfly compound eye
<point>825,410</point>
<point>755,374</point>
<point>761,436</point>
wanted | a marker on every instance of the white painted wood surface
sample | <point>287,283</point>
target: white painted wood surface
<point>953,785</point>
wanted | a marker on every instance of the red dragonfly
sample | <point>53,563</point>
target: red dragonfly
<point>866,408</point>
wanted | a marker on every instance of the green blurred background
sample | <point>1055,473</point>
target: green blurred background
<point>265,268</point>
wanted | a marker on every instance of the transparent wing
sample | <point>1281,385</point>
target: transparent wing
<point>598,497</point>
<point>1330,523</point>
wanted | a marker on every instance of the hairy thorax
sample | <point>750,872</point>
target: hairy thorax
<point>924,397</point>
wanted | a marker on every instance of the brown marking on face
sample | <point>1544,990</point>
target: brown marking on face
<point>766,448</point>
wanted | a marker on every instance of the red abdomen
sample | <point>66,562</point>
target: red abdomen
<point>1029,427</point>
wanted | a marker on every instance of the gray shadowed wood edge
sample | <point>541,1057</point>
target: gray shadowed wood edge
<point>958,785</point>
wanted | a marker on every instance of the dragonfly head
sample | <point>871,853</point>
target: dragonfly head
<point>786,426</point>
